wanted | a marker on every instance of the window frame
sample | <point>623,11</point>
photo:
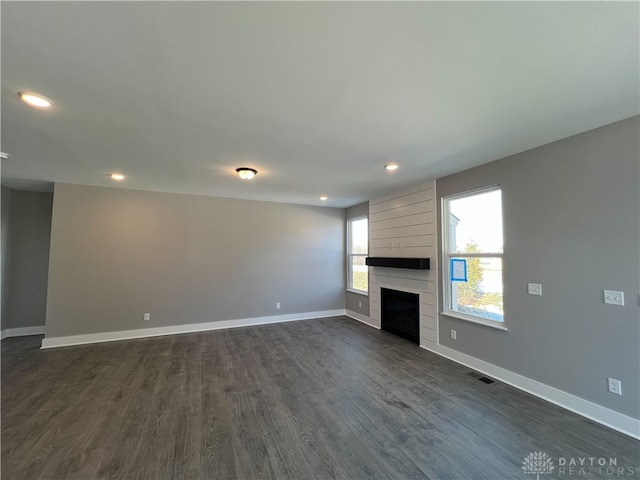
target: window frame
<point>350,255</point>
<point>447,255</point>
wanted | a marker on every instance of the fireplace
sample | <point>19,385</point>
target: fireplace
<point>401,313</point>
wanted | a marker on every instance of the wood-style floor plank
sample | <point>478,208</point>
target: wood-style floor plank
<point>319,399</point>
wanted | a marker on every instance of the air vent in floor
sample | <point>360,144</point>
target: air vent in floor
<point>486,380</point>
<point>481,377</point>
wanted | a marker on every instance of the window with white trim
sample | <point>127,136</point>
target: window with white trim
<point>473,250</point>
<point>358,247</point>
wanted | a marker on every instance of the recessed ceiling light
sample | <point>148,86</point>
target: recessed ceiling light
<point>35,100</point>
<point>323,197</point>
<point>246,173</point>
<point>391,166</point>
<point>117,177</point>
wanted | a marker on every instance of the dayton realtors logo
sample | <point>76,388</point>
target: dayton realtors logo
<point>538,463</point>
<point>591,466</point>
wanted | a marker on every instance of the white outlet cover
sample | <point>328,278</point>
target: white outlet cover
<point>454,334</point>
<point>534,289</point>
<point>613,297</point>
<point>615,386</point>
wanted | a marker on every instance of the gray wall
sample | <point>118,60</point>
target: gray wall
<point>6,252</point>
<point>118,253</point>
<point>354,300</point>
<point>571,223</point>
<point>26,231</point>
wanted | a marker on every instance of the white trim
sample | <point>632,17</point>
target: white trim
<point>22,331</point>
<point>447,255</point>
<point>475,191</point>
<point>177,329</point>
<point>474,255</point>
<point>359,292</point>
<point>605,416</point>
<point>474,319</point>
<point>361,318</point>
<point>350,254</point>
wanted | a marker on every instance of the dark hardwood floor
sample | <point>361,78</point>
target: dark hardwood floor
<point>327,398</point>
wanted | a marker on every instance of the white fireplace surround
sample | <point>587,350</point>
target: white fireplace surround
<point>410,281</point>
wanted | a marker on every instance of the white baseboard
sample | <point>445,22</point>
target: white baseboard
<point>605,416</point>
<point>361,318</point>
<point>176,329</point>
<point>22,331</point>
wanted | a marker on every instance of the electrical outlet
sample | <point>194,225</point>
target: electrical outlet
<point>147,316</point>
<point>534,289</point>
<point>615,386</point>
<point>278,305</point>
<point>359,304</point>
<point>454,334</point>
<point>614,298</point>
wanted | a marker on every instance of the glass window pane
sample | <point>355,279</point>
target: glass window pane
<point>359,274</point>
<point>475,223</point>
<point>359,236</point>
<point>481,294</point>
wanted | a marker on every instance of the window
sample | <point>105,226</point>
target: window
<point>358,246</point>
<point>472,225</point>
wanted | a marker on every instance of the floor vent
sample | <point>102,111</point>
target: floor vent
<point>481,377</point>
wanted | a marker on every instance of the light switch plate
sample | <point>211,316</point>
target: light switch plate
<point>613,297</point>
<point>534,289</point>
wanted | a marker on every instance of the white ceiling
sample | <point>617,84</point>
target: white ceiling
<point>316,96</point>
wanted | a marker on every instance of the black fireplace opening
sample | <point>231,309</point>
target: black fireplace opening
<point>401,314</point>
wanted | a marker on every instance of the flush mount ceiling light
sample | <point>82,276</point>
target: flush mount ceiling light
<point>391,166</point>
<point>246,173</point>
<point>324,198</point>
<point>117,177</point>
<point>35,100</point>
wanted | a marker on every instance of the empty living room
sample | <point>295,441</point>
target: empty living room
<point>320,240</point>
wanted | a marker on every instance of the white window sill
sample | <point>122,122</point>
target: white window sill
<point>479,321</point>
<point>359,292</point>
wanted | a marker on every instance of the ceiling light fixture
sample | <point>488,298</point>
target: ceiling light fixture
<point>35,100</point>
<point>246,173</point>
<point>391,166</point>
<point>324,198</point>
<point>117,177</point>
